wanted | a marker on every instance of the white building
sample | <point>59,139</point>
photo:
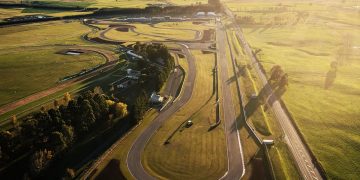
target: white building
<point>132,74</point>
<point>200,14</point>
<point>211,14</point>
<point>156,98</point>
<point>133,56</point>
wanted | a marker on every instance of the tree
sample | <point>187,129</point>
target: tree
<point>86,117</point>
<point>110,102</point>
<point>40,160</point>
<point>56,119</point>
<point>57,141</point>
<point>103,106</point>
<point>29,128</point>
<point>276,73</point>
<point>7,142</point>
<point>98,90</point>
<point>73,110</point>
<point>283,81</point>
<point>67,97</point>
<point>140,106</point>
<point>121,109</point>
<point>44,121</point>
<point>70,173</point>
<point>14,122</point>
<point>68,134</point>
<point>56,104</point>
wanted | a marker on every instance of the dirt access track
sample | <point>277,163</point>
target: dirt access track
<point>110,59</point>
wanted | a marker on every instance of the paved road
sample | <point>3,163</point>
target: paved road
<point>174,80</point>
<point>297,147</point>
<point>236,168</point>
<point>134,156</point>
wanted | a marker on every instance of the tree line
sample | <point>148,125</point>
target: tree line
<point>48,133</point>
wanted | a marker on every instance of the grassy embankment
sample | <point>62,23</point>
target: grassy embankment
<point>304,39</point>
<point>262,120</point>
<point>29,59</point>
<point>193,152</point>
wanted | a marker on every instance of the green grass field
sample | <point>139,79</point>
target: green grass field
<point>304,38</point>
<point>29,59</point>
<point>12,12</point>
<point>193,152</point>
<point>41,34</point>
<point>37,69</point>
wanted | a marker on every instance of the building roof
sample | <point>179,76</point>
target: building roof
<point>155,98</point>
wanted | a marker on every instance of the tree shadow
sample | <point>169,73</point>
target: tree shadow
<point>239,72</point>
<point>239,124</point>
<point>259,168</point>
<point>267,96</point>
<point>111,171</point>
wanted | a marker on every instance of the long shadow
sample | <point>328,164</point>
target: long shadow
<point>239,124</point>
<point>240,72</point>
<point>266,96</point>
<point>256,101</point>
<point>111,171</point>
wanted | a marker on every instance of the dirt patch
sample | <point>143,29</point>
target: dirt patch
<point>208,35</point>
<point>123,29</point>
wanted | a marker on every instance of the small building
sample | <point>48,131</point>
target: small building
<point>157,19</point>
<point>133,56</point>
<point>211,14</point>
<point>200,14</point>
<point>132,74</point>
<point>124,83</point>
<point>268,141</point>
<point>156,98</point>
<point>189,123</point>
<point>177,19</point>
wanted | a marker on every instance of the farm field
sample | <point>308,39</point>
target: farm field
<point>305,38</point>
<point>192,152</point>
<point>30,57</point>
